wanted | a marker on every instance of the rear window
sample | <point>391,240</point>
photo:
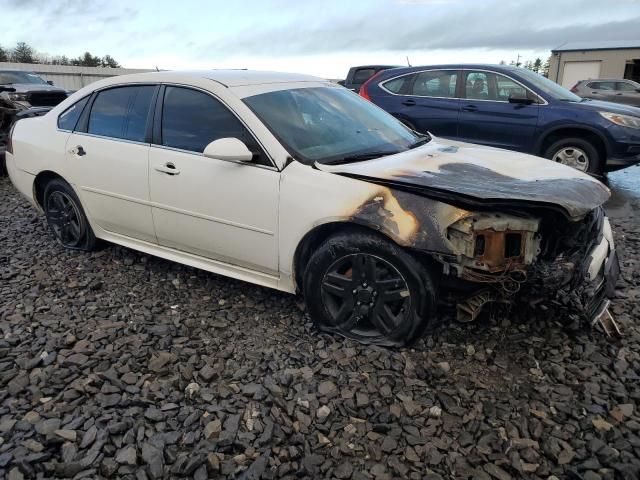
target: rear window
<point>122,112</point>
<point>363,75</point>
<point>68,119</point>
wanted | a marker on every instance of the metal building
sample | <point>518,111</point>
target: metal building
<point>576,61</point>
<point>68,76</point>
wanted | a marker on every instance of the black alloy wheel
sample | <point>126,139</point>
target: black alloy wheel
<point>365,295</point>
<point>66,218</point>
<point>365,287</point>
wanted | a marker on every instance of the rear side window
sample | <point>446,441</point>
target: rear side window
<point>68,119</point>
<point>363,75</point>
<point>192,119</point>
<point>435,83</point>
<point>122,112</point>
<point>603,85</point>
<point>396,85</point>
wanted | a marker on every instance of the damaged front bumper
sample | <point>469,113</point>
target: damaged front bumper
<point>572,268</point>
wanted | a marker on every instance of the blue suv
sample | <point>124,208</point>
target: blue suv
<point>512,108</point>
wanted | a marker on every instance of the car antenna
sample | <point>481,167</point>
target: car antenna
<point>408,62</point>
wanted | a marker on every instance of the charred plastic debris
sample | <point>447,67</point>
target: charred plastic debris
<point>530,255</point>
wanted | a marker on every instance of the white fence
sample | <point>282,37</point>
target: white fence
<point>70,77</point>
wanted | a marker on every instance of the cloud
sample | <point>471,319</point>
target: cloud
<point>437,24</point>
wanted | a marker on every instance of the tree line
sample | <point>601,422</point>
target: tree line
<point>537,65</point>
<point>24,53</point>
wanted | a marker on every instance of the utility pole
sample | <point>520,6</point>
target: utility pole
<point>518,61</point>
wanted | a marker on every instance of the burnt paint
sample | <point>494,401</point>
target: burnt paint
<point>426,232</point>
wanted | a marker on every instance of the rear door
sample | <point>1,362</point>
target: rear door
<point>427,101</point>
<point>602,91</point>
<point>628,93</point>
<point>108,157</point>
<point>487,117</point>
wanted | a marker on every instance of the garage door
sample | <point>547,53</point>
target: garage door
<point>576,71</point>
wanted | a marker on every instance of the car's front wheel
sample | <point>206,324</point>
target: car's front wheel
<point>577,153</point>
<point>365,287</point>
<point>66,218</point>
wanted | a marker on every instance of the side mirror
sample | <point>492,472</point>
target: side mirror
<point>6,89</point>
<point>231,149</point>
<point>50,82</point>
<point>519,99</point>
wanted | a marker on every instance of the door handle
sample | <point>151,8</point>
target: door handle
<point>470,108</point>
<point>78,150</point>
<point>409,103</point>
<point>168,168</point>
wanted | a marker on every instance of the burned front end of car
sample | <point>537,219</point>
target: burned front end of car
<point>503,228</point>
<point>538,259</point>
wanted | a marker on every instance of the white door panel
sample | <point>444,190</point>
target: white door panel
<point>222,210</point>
<point>112,180</point>
<point>575,71</point>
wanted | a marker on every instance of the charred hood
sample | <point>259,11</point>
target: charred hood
<point>470,174</point>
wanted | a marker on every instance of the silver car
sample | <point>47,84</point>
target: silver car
<point>610,90</point>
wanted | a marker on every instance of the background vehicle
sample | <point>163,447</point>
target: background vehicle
<point>358,75</point>
<point>610,90</point>
<point>295,183</point>
<point>512,108</point>
<point>20,91</point>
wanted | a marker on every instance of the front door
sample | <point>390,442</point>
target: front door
<point>223,210</point>
<point>487,117</point>
<point>108,161</point>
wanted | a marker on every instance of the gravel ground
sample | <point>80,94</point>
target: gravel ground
<point>119,364</point>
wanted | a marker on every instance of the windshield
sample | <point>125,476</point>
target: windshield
<point>8,78</point>
<point>330,124</point>
<point>549,87</point>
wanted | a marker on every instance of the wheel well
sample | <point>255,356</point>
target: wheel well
<point>312,240</point>
<point>40,183</point>
<point>591,137</point>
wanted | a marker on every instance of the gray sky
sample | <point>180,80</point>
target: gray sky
<point>312,36</point>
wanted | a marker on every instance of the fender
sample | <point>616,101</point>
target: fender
<point>576,126</point>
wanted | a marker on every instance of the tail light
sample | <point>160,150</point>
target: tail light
<point>574,89</point>
<point>10,139</point>
<point>364,89</point>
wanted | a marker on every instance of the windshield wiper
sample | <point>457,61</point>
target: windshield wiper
<point>359,157</point>
<point>422,140</point>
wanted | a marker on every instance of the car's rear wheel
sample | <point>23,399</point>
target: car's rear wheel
<point>66,218</point>
<point>365,287</point>
<point>577,153</point>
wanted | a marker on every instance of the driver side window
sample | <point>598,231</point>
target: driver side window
<point>192,119</point>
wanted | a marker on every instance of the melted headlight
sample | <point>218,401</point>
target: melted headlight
<point>495,242</point>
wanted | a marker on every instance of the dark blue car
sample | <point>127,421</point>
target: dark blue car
<point>512,108</point>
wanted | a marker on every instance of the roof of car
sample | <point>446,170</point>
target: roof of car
<point>231,78</point>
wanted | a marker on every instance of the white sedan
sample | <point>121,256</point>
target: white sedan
<point>294,183</point>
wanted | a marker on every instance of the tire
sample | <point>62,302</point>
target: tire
<point>391,303</point>
<point>3,165</point>
<point>578,153</point>
<point>66,217</point>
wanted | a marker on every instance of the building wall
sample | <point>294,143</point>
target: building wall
<point>70,77</point>
<point>612,66</point>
